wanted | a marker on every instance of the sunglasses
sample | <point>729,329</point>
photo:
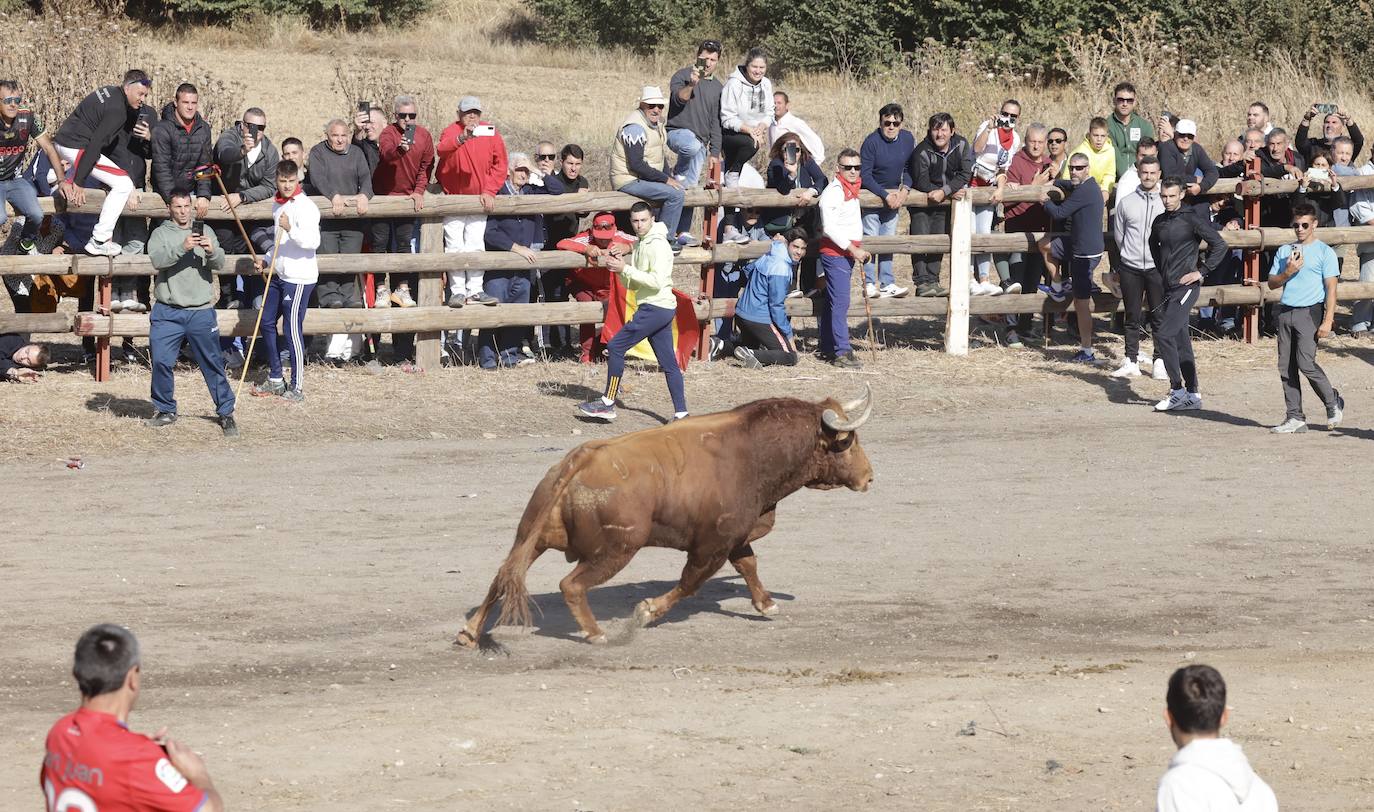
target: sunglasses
<point>654,106</point>
<point>1302,226</point>
<point>892,122</point>
<point>1012,116</point>
<point>543,157</point>
<point>411,116</point>
<point>1078,168</point>
<point>1185,135</point>
<point>710,46</point>
<point>12,100</point>
<point>850,167</point>
<point>1057,140</point>
<point>1123,99</point>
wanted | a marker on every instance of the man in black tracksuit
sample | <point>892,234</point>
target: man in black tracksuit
<point>1173,244</point>
<point>181,142</point>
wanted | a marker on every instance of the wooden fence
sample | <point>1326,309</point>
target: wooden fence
<point>430,317</point>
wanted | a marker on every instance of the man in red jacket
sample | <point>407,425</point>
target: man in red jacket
<point>403,168</point>
<point>593,283</point>
<point>472,161</point>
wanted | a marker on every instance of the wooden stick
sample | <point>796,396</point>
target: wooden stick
<point>251,252</point>
<point>868,306</point>
<point>257,325</point>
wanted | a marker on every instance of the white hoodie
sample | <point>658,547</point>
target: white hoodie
<point>744,105</point>
<point>1210,775</point>
<point>296,248</point>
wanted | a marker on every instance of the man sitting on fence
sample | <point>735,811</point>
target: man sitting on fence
<point>18,127</point>
<point>593,283</point>
<point>185,291</point>
<point>91,129</point>
<point>639,162</point>
<point>20,359</point>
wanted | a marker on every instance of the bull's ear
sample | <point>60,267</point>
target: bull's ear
<point>838,440</point>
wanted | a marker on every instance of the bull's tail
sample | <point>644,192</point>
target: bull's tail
<point>509,583</point>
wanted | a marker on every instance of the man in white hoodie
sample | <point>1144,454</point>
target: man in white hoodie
<point>1208,773</point>
<point>296,272</point>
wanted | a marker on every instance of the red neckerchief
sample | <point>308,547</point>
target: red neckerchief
<point>851,190</point>
<point>284,200</point>
<point>1006,137</point>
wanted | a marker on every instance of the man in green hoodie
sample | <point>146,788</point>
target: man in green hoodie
<point>1126,127</point>
<point>185,257</point>
<point>648,274</point>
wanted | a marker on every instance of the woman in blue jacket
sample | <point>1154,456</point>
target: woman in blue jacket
<point>765,333</point>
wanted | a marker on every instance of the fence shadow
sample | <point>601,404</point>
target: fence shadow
<point>618,602</point>
<point>118,406</point>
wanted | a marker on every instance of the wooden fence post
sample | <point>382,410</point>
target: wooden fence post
<point>960,274</point>
<point>1252,257</point>
<point>428,345</point>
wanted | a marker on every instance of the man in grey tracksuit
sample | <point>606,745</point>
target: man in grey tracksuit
<point>1141,283</point>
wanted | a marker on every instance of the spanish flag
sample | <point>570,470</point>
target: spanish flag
<point>620,308</point>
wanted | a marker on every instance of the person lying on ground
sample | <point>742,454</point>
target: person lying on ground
<point>21,359</point>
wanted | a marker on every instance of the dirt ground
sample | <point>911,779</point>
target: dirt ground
<point>1038,553</point>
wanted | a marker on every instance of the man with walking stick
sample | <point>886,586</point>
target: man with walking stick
<point>186,255</point>
<point>841,248</point>
<point>247,162</point>
<point>292,272</point>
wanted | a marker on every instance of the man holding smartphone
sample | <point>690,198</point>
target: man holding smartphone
<point>693,122</point>
<point>186,255</point>
<point>247,160</point>
<point>406,158</point>
<point>1307,271</point>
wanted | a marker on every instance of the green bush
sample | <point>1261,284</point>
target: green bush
<point>350,13</point>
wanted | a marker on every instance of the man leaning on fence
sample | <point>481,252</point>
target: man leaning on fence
<point>185,263</point>
<point>472,161</point>
<point>247,161</point>
<point>841,249</point>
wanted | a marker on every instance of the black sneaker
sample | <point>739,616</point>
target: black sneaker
<point>847,361</point>
<point>161,420</point>
<point>231,428</point>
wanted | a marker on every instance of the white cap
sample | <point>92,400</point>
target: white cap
<point>652,94</point>
<point>1186,126</point>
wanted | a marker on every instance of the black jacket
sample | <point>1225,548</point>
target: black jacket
<point>1174,164</point>
<point>177,151</point>
<point>1082,208</point>
<point>253,182</point>
<point>1173,244</point>
<point>1308,146</point>
<point>9,345</point>
<point>931,169</point>
<point>93,127</point>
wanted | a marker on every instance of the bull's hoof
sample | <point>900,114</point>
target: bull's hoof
<point>598,639</point>
<point>465,639</point>
<point>768,609</point>
<point>644,612</point>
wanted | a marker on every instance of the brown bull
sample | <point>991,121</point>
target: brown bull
<point>707,485</point>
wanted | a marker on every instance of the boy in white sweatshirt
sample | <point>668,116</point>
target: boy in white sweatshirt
<point>1208,773</point>
<point>297,220</point>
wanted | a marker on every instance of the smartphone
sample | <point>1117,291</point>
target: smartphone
<point>197,228</point>
<point>1326,109</point>
<point>484,129</point>
<point>701,65</point>
<point>363,106</point>
<point>410,133</point>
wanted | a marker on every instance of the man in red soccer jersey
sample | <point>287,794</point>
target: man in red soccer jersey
<point>94,761</point>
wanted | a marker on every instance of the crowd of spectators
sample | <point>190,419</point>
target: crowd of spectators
<point>712,122</point>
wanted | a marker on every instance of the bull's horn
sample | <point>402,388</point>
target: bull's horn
<point>833,422</point>
<point>858,404</point>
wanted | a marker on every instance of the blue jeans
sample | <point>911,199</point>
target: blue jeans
<point>691,157</point>
<point>168,327</point>
<point>656,325</point>
<point>24,198</point>
<point>880,223</point>
<point>668,197</point>
<point>502,345</point>
<point>832,306</point>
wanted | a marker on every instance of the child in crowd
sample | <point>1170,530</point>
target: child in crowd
<point>297,221</point>
<point>1208,772</point>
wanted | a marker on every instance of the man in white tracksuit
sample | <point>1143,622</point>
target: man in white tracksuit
<point>1208,773</point>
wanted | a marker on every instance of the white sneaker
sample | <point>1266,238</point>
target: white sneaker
<point>383,297</point>
<point>871,290</point>
<point>130,306</point>
<point>1194,400</point>
<point>975,289</point>
<point>1178,400</point>
<point>116,305</point>
<point>1158,372</point>
<point>108,248</point>
<point>990,289</point>
<point>1128,369</point>
<point>401,297</point>
<point>1013,288</point>
<point>1143,361</point>
<point>892,291</point>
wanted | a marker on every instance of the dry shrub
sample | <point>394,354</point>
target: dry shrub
<point>221,100</point>
<point>52,57</point>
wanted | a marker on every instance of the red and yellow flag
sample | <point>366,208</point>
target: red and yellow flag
<point>620,308</point>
